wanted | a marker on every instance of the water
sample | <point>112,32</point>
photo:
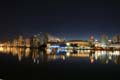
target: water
<point>32,64</point>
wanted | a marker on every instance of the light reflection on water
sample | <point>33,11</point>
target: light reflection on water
<point>87,56</point>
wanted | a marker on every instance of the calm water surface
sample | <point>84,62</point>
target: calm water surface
<point>20,63</point>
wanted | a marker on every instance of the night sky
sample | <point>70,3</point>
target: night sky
<point>73,19</point>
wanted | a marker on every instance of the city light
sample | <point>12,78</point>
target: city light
<point>1,49</point>
<point>55,48</point>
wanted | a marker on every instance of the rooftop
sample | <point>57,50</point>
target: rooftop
<point>77,41</point>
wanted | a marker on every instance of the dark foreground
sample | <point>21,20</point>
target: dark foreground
<point>59,71</point>
<point>60,67</point>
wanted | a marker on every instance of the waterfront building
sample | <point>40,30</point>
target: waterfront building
<point>55,47</point>
<point>27,42</point>
<point>35,42</point>
<point>116,46</point>
<point>116,39</point>
<point>97,43</point>
<point>14,43</point>
<point>20,41</point>
<point>77,44</point>
<point>91,41</point>
<point>104,40</point>
<point>44,37</point>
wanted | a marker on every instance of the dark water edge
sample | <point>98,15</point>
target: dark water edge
<point>52,71</point>
<point>72,68</point>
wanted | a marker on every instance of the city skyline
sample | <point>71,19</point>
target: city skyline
<point>61,36</point>
<point>59,39</point>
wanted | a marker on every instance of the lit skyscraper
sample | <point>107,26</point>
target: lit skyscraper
<point>104,40</point>
<point>116,39</point>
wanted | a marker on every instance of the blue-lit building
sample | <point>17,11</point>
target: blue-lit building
<point>56,48</point>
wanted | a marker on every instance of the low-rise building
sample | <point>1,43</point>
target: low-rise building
<point>79,43</point>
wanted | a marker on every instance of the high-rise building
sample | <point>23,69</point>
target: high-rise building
<point>20,41</point>
<point>35,41</point>
<point>91,41</point>
<point>44,38</point>
<point>27,42</point>
<point>116,39</point>
<point>97,43</point>
<point>14,43</point>
<point>104,40</point>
